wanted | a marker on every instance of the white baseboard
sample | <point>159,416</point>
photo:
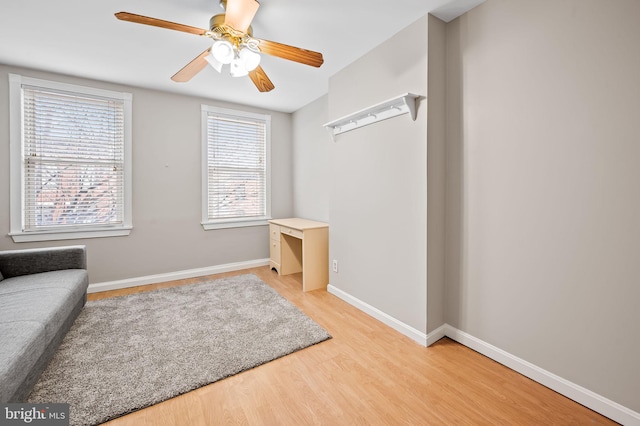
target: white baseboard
<point>179,275</point>
<point>436,334</point>
<point>589,399</point>
<point>581,395</point>
<point>397,325</point>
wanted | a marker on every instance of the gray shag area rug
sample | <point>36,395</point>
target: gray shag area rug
<point>126,353</point>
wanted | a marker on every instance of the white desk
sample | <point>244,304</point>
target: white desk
<point>300,245</point>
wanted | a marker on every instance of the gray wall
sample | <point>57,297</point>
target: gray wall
<point>311,161</point>
<point>167,235</point>
<point>436,149</point>
<point>378,203</point>
<point>543,200</point>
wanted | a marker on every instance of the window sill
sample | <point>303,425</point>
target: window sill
<point>25,237</point>
<point>208,226</point>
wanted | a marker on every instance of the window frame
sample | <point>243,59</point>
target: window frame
<point>17,173</point>
<point>206,223</point>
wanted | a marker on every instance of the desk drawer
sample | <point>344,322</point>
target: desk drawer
<point>293,232</point>
<point>274,232</point>
<point>274,251</point>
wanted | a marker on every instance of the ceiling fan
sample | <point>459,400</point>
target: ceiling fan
<point>233,44</point>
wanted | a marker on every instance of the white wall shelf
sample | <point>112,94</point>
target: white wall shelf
<point>403,104</point>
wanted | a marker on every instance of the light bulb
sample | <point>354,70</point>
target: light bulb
<point>237,68</point>
<point>250,59</point>
<point>222,50</point>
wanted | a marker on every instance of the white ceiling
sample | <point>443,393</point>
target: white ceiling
<point>82,38</point>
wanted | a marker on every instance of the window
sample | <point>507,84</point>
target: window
<point>235,168</point>
<point>70,161</point>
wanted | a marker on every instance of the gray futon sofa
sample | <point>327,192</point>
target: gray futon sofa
<point>42,291</point>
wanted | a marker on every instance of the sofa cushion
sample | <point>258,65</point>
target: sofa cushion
<point>33,309</point>
<point>46,298</point>
<point>74,280</point>
<point>22,344</point>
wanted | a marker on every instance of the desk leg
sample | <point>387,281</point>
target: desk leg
<point>315,259</point>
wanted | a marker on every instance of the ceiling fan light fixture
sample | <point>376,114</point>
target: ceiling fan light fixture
<point>238,69</point>
<point>216,64</point>
<point>249,58</point>
<point>222,51</point>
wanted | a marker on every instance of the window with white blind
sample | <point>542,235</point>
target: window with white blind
<point>235,168</point>
<point>70,161</point>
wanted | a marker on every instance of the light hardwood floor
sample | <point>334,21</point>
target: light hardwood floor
<point>368,374</point>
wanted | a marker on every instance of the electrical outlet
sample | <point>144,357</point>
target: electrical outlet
<point>335,266</point>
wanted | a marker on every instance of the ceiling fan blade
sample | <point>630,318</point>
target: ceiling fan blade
<point>239,13</point>
<point>260,79</point>
<point>139,19</point>
<point>192,68</point>
<point>296,54</point>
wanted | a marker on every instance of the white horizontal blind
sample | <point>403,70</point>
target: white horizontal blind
<point>236,167</point>
<point>73,154</point>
